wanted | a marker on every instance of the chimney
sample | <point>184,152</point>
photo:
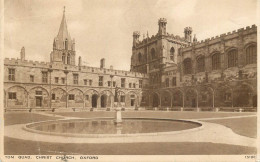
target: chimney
<point>80,61</point>
<point>111,67</point>
<point>102,63</point>
<point>22,54</point>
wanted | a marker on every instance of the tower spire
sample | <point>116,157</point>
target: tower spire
<point>63,45</point>
<point>63,33</point>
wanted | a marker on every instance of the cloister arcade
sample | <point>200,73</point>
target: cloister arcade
<point>236,95</point>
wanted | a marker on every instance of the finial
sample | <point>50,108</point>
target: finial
<point>64,9</point>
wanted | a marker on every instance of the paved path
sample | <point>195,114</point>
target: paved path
<point>228,117</point>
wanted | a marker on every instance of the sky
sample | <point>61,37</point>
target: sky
<point>104,28</point>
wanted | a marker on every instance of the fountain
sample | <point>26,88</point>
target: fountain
<point>118,118</point>
<point>111,127</point>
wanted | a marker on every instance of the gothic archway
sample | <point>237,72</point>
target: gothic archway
<point>155,100</point>
<point>103,101</point>
<point>94,99</point>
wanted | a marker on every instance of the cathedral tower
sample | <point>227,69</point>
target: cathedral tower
<point>63,45</point>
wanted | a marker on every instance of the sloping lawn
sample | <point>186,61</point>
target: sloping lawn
<point>243,126</point>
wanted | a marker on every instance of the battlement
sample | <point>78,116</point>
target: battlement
<point>176,38</point>
<point>122,73</point>
<point>218,38</point>
<point>37,64</point>
<point>146,40</point>
<point>13,61</point>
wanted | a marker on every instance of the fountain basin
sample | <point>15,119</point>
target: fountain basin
<point>105,127</point>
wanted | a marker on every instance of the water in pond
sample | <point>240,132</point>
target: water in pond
<point>106,126</point>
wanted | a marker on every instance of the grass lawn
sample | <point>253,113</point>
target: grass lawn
<point>21,147</point>
<point>243,126</point>
<point>24,117</point>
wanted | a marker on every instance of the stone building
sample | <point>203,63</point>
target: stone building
<point>166,71</point>
<point>62,84</point>
<point>216,72</point>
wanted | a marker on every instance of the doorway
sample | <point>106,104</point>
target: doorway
<point>132,102</point>
<point>103,101</point>
<point>193,102</point>
<point>155,100</point>
<point>94,100</point>
<point>38,101</point>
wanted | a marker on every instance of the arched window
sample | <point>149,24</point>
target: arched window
<point>152,54</point>
<point>251,55</point>
<point>172,54</point>
<point>201,64</point>
<point>187,66</point>
<point>139,57</point>
<point>63,58</point>
<point>68,59</point>
<point>232,58</point>
<point>167,82</point>
<point>66,44</point>
<point>216,61</point>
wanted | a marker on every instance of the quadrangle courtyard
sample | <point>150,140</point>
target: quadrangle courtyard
<point>212,139</point>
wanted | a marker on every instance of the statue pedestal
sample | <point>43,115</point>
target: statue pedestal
<point>118,119</point>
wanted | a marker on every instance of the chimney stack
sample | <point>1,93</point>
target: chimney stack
<point>102,63</point>
<point>22,54</point>
<point>80,61</point>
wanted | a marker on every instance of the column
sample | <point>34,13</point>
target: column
<point>6,100</point>
<point>197,98</point>
<point>213,98</point>
<point>183,105</point>
<point>84,97</point>
<point>232,98</point>
<point>111,101</point>
<point>28,105</point>
<point>198,109</point>
<point>98,102</point>
<point>50,94</point>
<point>160,97</point>
<point>149,100</point>
<point>171,101</point>
<point>66,72</point>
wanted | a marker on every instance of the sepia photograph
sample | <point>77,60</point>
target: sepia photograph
<point>85,79</point>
